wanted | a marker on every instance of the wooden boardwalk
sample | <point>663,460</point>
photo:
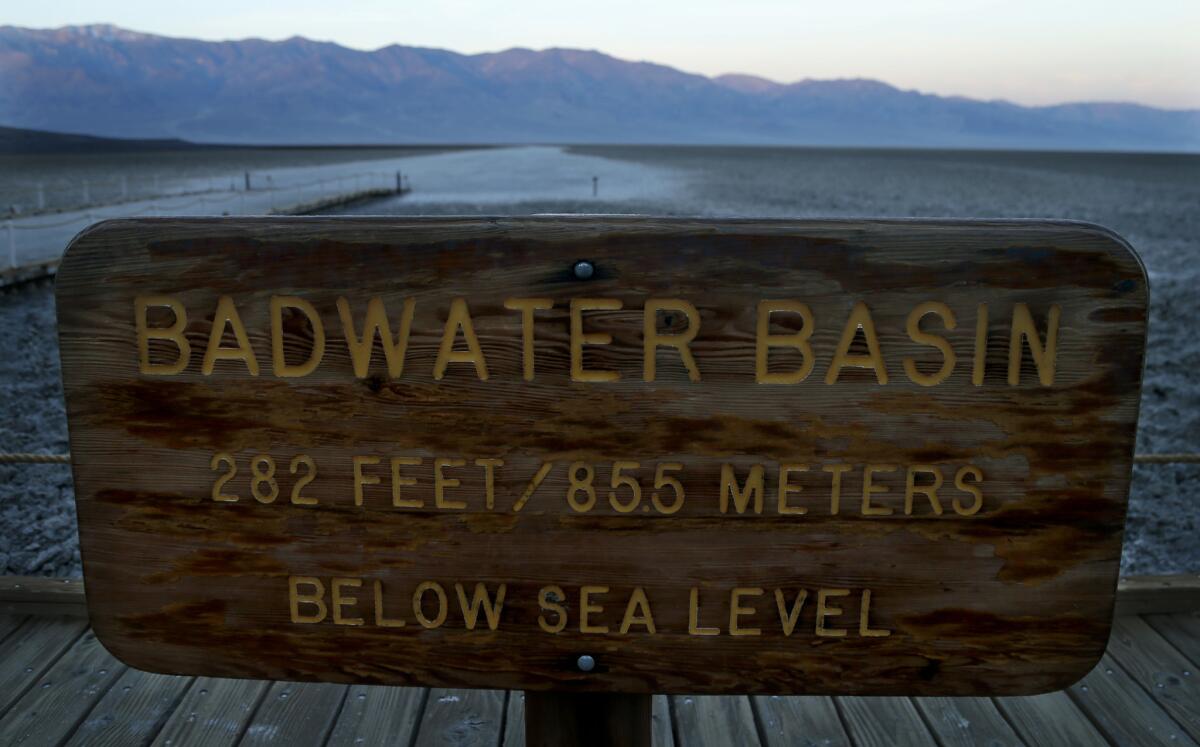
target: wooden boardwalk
<point>58,686</point>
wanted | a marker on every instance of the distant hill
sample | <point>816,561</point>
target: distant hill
<point>15,140</point>
<point>116,83</point>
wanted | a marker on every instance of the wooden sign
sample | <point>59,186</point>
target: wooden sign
<point>604,454</point>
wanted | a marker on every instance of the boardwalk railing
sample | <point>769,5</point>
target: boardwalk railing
<point>40,198</point>
<point>42,237</point>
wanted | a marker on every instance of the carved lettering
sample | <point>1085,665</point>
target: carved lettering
<point>653,339</point>
<point>226,315</point>
<point>579,338</point>
<point>173,334</point>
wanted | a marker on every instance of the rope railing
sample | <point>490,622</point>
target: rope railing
<point>57,224</point>
<point>1167,458</point>
<point>29,458</point>
<point>206,198</point>
<point>265,196</point>
<point>40,198</point>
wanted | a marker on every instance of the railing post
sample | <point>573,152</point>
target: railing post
<point>41,196</point>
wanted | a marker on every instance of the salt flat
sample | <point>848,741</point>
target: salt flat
<point>505,176</point>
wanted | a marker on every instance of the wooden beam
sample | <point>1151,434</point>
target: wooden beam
<point>35,595</point>
<point>1149,595</point>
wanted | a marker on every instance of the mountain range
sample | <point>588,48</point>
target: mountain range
<point>107,81</point>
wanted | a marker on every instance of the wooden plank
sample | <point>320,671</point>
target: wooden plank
<point>1145,595</point>
<point>1050,719</point>
<point>9,625</point>
<point>60,699</point>
<point>295,714</point>
<point>1182,630</point>
<point>714,720</point>
<point>514,720</point>
<point>1123,710</point>
<point>214,712</point>
<point>378,715</point>
<point>661,734</point>
<point>726,363</point>
<point>966,722</point>
<point>883,721</point>
<point>806,720</point>
<point>470,718</point>
<point>132,712</point>
<point>31,650</point>
<point>1160,669</point>
<point>35,595</point>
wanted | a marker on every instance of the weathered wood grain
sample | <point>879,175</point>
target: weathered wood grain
<point>1123,710</point>
<point>1014,598</point>
<point>713,720</point>
<point>471,718</point>
<point>378,715</point>
<point>1050,719</point>
<point>1181,630</point>
<point>799,721</point>
<point>966,722</point>
<point>1148,595</point>
<point>9,625</point>
<point>1160,669</point>
<point>661,730</point>
<point>50,711</point>
<point>214,712</point>
<point>295,713</point>
<point>132,712</point>
<point>32,595</point>
<point>30,651</point>
<point>883,722</point>
<point>514,720</point>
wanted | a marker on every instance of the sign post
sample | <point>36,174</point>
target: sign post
<point>591,719</point>
<point>603,455</point>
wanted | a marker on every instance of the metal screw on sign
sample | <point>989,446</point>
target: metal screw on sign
<point>584,269</point>
<point>586,663</point>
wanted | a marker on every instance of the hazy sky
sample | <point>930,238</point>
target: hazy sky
<point>1029,52</point>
